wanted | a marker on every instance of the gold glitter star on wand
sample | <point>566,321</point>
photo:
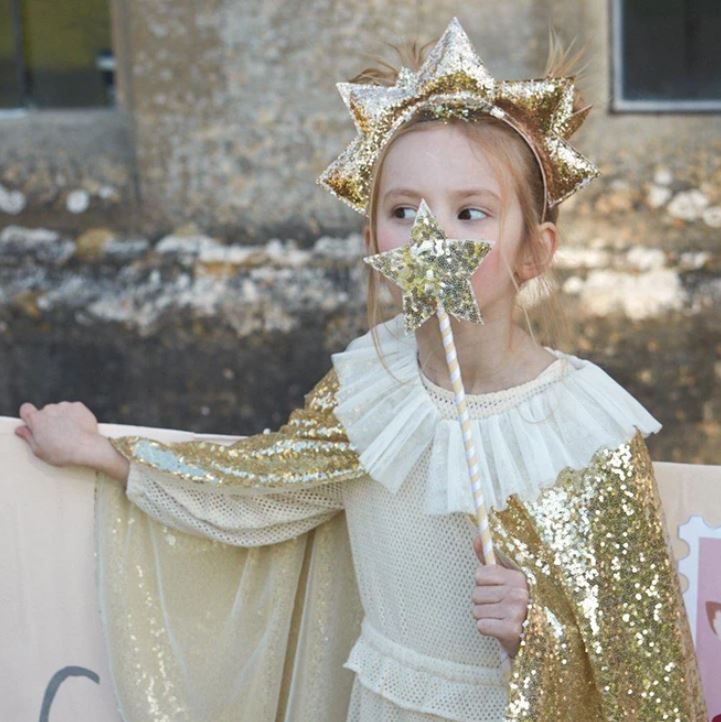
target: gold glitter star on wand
<point>433,270</point>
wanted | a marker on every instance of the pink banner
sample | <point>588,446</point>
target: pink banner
<point>708,621</point>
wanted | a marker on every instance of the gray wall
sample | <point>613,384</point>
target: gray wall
<point>228,112</point>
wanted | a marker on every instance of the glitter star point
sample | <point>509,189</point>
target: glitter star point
<point>433,270</point>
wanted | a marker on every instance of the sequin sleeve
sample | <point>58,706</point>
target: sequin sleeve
<point>259,490</point>
<point>606,631</point>
<point>309,450</point>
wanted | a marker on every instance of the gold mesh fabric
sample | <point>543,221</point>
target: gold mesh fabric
<point>200,631</point>
<point>606,636</point>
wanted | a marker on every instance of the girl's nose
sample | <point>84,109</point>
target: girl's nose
<point>448,222</point>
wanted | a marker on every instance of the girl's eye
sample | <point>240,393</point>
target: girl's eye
<point>400,210</point>
<point>465,213</point>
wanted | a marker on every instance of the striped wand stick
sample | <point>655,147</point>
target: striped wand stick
<point>474,471</point>
<point>434,274</point>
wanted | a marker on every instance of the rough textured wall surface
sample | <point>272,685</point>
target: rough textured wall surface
<point>243,131</point>
<point>188,332</point>
<point>229,113</point>
<point>69,171</point>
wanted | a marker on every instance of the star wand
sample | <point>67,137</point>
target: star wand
<point>434,274</point>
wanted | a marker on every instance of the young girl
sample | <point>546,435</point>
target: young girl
<point>586,603</point>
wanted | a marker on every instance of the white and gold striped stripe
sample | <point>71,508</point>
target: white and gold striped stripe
<point>471,455</point>
<point>454,371</point>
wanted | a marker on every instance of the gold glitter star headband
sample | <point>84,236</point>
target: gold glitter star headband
<point>454,81</point>
<point>433,271</point>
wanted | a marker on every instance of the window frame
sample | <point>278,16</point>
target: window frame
<point>619,104</point>
<point>26,107</point>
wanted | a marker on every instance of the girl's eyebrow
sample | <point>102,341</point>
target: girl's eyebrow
<point>475,192</point>
<point>462,193</point>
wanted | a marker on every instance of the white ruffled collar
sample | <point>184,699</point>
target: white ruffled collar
<point>525,435</point>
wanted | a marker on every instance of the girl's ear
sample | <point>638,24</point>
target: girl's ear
<point>535,260</point>
<point>367,238</point>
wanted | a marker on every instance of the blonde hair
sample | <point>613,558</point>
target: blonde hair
<point>516,170</point>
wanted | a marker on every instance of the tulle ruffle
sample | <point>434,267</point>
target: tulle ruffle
<point>525,435</point>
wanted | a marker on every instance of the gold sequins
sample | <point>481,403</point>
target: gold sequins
<point>310,449</point>
<point>607,636</point>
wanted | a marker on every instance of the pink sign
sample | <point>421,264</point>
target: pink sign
<point>702,569</point>
<point>708,622</point>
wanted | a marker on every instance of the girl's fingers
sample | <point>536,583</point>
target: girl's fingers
<point>490,611</point>
<point>508,635</point>
<point>488,595</point>
<point>494,574</point>
<point>24,433</point>
<point>510,597</point>
<point>56,433</point>
<point>513,612</point>
<point>26,411</point>
<point>498,628</point>
<point>491,574</point>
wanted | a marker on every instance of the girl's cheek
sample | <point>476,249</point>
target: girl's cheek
<point>390,237</point>
<point>488,272</point>
<point>390,242</point>
<point>396,295</point>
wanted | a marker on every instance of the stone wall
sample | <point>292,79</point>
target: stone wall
<point>191,333</point>
<point>172,261</point>
<point>229,112</point>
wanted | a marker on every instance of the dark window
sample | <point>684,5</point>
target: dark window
<point>666,55</point>
<point>55,54</point>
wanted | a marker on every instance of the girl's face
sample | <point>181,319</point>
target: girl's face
<point>440,163</point>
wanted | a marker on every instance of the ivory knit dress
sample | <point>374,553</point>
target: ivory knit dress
<point>420,656</point>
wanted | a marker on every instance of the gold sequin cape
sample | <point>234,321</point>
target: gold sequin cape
<point>198,630</point>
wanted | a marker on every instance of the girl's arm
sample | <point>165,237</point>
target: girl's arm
<point>259,490</point>
<point>227,516</point>
<point>310,450</point>
<point>102,456</point>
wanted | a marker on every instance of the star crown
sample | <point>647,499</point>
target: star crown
<point>453,81</point>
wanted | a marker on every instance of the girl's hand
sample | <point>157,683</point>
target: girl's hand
<point>500,601</point>
<point>60,434</point>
